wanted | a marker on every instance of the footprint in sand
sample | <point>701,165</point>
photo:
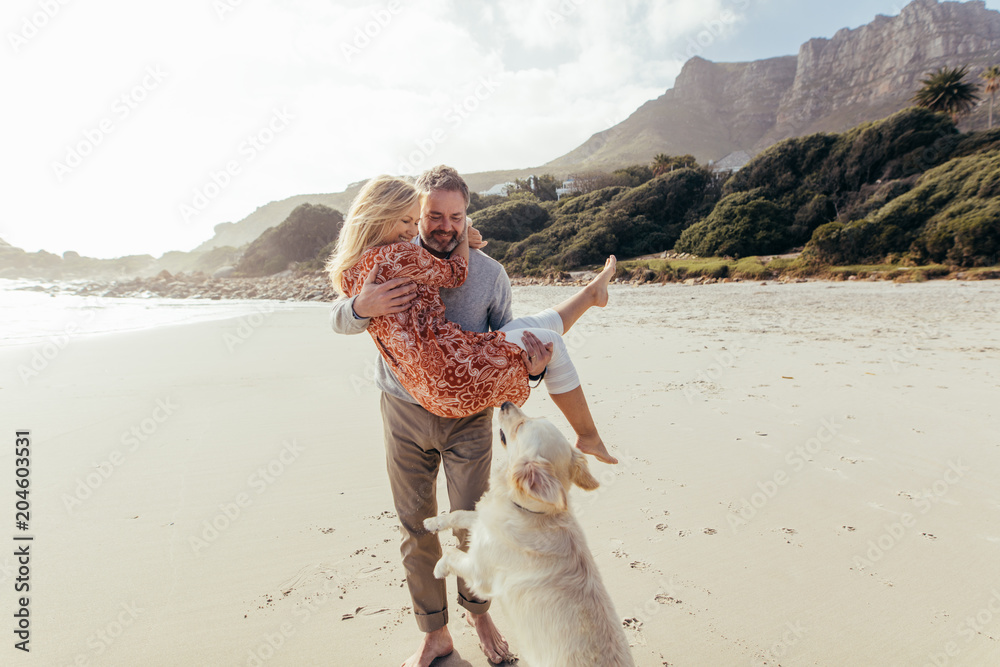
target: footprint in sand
<point>710,531</point>
<point>363,611</point>
<point>632,624</point>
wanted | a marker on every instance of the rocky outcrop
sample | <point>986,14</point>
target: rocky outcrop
<point>307,234</point>
<point>713,109</point>
<point>864,74</point>
<point>872,71</point>
<point>248,229</point>
<point>287,286</point>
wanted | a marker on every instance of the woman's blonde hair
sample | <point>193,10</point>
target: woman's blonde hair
<point>381,203</point>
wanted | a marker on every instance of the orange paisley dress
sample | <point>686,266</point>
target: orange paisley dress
<point>449,371</point>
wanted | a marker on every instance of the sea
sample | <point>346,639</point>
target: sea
<point>33,311</point>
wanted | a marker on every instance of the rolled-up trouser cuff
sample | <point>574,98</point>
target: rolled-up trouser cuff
<point>431,622</point>
<point>474,607</point>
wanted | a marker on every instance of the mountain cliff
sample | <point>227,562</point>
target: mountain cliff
<point>872,71</point>
<point>859,75</point>
<point>713,109</point>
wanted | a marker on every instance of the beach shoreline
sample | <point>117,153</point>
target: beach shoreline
<point>808,476</point>
<point>314,286</point>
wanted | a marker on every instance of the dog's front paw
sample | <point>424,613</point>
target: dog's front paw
<point>441,570</point>
<point>435,523</point>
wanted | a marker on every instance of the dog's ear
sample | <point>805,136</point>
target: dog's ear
<point>536,479</point>
<point>580,472</point>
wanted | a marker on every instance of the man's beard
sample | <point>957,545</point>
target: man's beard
<point>439,244</point>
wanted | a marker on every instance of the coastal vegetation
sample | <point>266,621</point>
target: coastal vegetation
<point>947,90</point>
<point>909,190</point>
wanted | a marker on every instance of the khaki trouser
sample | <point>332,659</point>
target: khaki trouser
<point>416,442</point>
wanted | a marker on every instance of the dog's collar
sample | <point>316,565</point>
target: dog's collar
<point>526,509</point>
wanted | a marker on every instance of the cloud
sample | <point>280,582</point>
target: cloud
<point>671,21</point>
<point>371,85</point>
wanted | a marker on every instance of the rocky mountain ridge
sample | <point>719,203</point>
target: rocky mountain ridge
<point>833,84</point>
<point>873,70</point>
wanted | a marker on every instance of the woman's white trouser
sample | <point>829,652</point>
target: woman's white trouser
<point>560,376</point>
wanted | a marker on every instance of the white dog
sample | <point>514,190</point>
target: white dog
<point>528,554</point>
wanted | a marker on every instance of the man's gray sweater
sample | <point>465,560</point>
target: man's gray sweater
<point>482,303</point>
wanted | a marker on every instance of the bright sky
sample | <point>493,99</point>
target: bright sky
<point>136,127</point>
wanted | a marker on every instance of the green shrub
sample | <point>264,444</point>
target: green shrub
<point>497,249</point>
<point>749,268</point>
<point>478,202</point>
<point>511,220</point>
<point>952,215</point>
<point>634,175</point>
<point>623,221</point>
<point>587,202</point>
<point>966,234</point>
<point>741,224</point>
<point>821,178</point>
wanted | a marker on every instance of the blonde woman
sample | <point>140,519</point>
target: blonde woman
<point>451,372</point>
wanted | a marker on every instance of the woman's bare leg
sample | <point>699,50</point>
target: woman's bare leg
<point>594,294</point>
<point>573,404</point>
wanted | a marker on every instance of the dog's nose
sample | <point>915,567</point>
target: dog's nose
<point>506,406</point>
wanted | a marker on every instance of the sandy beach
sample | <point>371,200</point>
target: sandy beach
<point>809,476</point>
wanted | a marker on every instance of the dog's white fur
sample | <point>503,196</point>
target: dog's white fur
<point>528,554</point>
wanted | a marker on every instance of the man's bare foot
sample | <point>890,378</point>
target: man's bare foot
<point>593,445</point>
<point>490,639</point>
<point>436,644</point>
<point>599,285</point>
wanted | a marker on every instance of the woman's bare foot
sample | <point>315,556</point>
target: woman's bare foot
<point>599,285</point>
<point>490,639</point>
<point>593,445</point>
<point>436,644</point>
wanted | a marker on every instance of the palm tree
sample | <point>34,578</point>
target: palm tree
<point>947,90</point>
<point>661,163</point>
<point>992,77</point>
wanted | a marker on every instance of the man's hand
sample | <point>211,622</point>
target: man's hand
<point>392,296</point>
<point>476,238</point>
<point>535,355</point>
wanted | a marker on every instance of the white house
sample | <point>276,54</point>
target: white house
<point>732,162</point>
<point>502,189</point>
<point>568,187</point>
